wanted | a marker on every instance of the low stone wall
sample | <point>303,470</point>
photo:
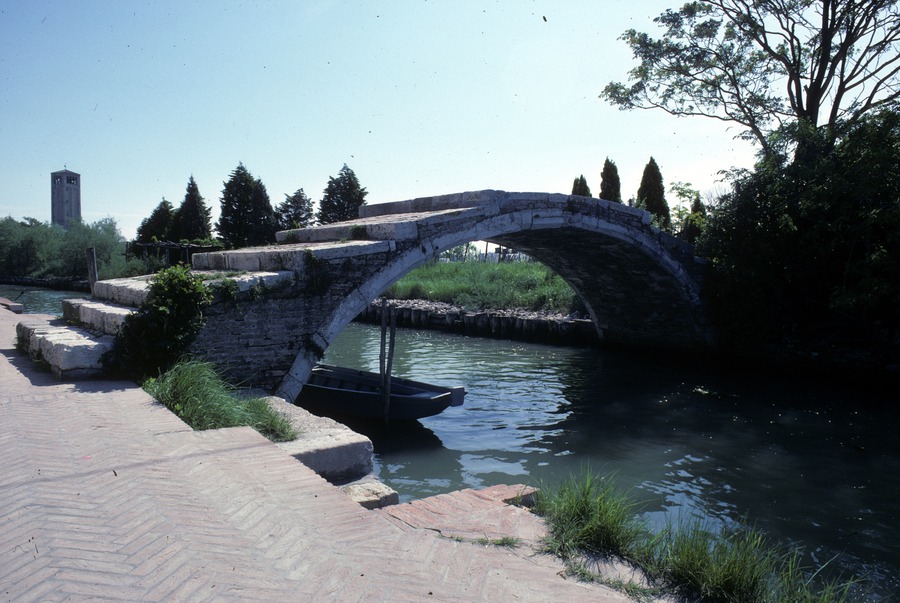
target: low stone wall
<point>515,324</point>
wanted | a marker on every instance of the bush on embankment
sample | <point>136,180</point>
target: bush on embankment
<point>198,395</point>
<point>480,285</point>
<point>159,333</point>
<point>590,517</point>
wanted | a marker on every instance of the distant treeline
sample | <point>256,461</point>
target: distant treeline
<point>38,250</point>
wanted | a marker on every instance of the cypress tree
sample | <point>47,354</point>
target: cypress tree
<point>580,187</point>
<point>296,211</point>
<point>610,187</point>
<point>343,198</point>
<point>191,220</point>
<point>262,225</point>
<point>157,226</point>
<point>247,217</point>
<point>651,195</point>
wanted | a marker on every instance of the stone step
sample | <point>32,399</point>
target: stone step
<point>287,259</point>
<point>95,315</point>
<point>396,227</point>
<point>12,306</point>
<point>132,291</point>
<point>70,352</point>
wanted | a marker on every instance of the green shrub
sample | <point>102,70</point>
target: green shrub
<point>155,336</point>
<point>198,395</point>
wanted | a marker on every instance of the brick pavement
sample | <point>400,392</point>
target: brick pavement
<point>106,495</point>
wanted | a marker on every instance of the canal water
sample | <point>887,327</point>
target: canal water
<point>815,465</point>
<point>39,301</point>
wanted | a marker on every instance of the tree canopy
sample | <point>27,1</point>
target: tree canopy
<point>157,226</point>
<point>342,198</point>
<point>813,248</point>
<point>651,195</point>
<point>768,64</point>
<point>580,187</point>
<point>192,220</point>
<point>296,211</point>
<point>247,217</point>
<point>610,186</point>
<point>38,249</point>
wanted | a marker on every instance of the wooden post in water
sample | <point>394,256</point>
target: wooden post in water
<point>91,255</point>
<point>386,360</point>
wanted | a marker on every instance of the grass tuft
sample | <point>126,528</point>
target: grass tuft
<point>195,392</point>
<point>589,516</point>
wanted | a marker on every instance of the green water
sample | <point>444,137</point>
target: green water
<point>814,464</point>
<point>39,301</point>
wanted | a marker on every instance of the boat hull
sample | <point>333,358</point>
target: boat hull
<point>355,393</point>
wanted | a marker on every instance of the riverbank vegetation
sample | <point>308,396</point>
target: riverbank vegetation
<point>29,248</point>
<point>478,285</point>
<point>154,337</point>
<point>589,518</point>
<point>201,398</point>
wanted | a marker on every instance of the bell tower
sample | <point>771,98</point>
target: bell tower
<point>65,197</point>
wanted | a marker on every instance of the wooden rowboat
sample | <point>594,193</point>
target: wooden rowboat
<point>355,393</point>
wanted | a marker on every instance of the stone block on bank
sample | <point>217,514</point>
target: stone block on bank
<point>96,315</point>
<point>371,493</point>
<point>11,305</point>
<point>71,353</point>
<point>329,448</point>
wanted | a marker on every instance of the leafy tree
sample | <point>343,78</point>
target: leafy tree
<point>247,217</point>
<point>610,187</point>
<point>813,249</point>
<point>158,226</point>
<point>343,198</point>
<point>695,222</point>
<point>767,64</point>
<point>192,220</point>
<point>689,214</point>
<point>580,187</point>
<point>26,247</point>
<point>651,195</point>
<point>296,211</point>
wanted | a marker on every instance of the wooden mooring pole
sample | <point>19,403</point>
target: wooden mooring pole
<point>386,360</point>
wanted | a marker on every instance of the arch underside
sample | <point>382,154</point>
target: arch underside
<point>631,297</point>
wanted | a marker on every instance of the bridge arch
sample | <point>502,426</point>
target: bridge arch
<point>639,285</point>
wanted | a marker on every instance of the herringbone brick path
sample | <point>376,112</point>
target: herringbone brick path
<point>106,495</point>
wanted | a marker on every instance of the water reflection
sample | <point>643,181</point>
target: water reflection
<point>810,463</point>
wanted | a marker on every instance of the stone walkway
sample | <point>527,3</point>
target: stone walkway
<point>106,495</point>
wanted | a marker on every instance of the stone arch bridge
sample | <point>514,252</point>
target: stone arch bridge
<point>640,286</point>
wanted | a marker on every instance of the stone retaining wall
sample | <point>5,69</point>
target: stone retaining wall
<point>512,324</point>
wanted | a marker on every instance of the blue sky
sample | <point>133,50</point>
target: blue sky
<point>418,97</point>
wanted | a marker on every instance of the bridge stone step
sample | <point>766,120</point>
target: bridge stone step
<point>132,291</point>
<point>395,227</point>
<point>95,315</point>
<point>285,260</point>
<point>70,352</point>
